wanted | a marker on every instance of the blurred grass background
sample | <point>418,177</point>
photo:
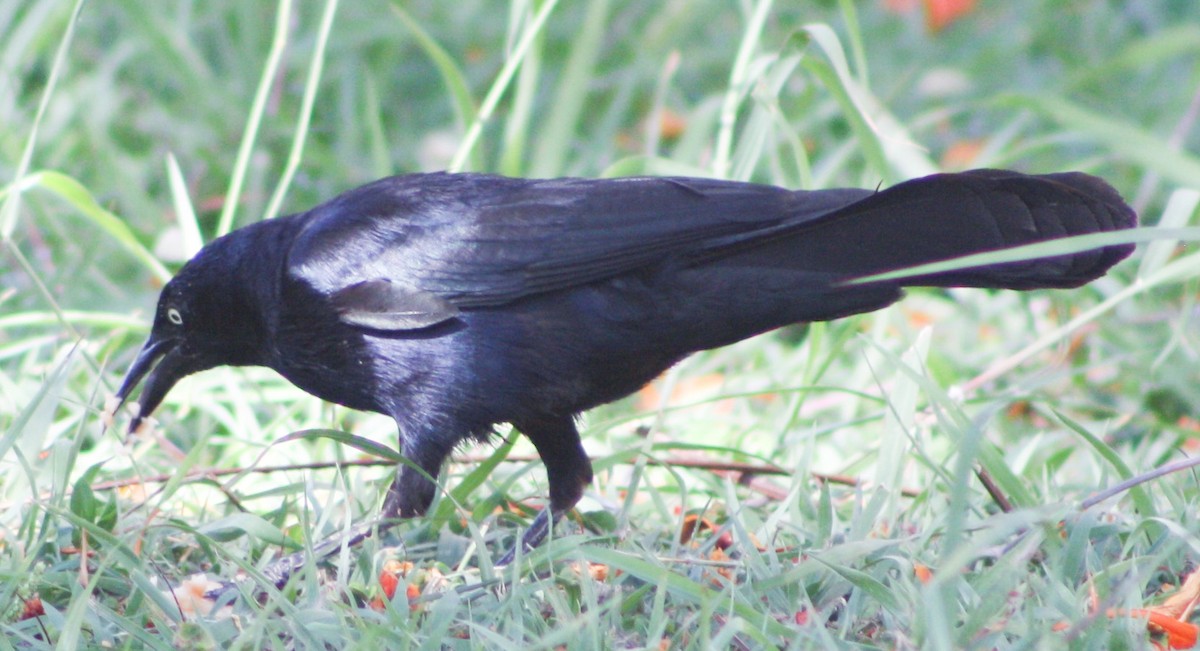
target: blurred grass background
<point>131,132</point>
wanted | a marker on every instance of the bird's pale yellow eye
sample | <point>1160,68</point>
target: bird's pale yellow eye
<point>174,316</point>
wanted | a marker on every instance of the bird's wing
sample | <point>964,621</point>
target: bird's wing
<point>412,251</point>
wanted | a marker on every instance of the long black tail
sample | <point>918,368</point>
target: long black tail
<point>797,271</point>
<point>950,215</point>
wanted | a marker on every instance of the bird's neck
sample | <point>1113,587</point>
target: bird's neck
<point>250,265</point>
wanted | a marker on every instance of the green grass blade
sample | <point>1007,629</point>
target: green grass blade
<point>739,86</point>
<point>1176,271</point>
<point>241,165</point>
<point>33,421</point>
<point>867,583</point>
<point>12,203</point>
<point>854,33</point>
<point>770,75</point>
<point>1141,499</point>
<point>185,212</point>
<point>74,193</point>
<point>311,85</point>
<point>680,585</point>
<point>1181,208</point>
<point>885,143</point>
<point>500,85</point>
<point>1044,249</point>
<point>359,443</point>
<point>1123,138</point>
<point>516,127</point>
<point>473,480</point>
<point>452,76</point>
<point>557,136</point>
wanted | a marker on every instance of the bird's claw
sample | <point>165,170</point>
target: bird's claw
<point>533,537</point>
<point>280,571</point>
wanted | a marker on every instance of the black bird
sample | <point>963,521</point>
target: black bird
<point>455,302</point>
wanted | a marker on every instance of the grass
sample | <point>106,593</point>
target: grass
<point>134,131</point>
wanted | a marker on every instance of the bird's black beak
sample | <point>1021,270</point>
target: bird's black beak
<point>169,364</point>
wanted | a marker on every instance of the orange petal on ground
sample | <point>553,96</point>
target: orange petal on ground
<point>388,582</point>
<point>693,524</point>
<point>191,597</point>
<point>923,573</point>
<point>33,608</point>
<point>1180,605</point>
<point>1180,635</point>
<point>939,14</point>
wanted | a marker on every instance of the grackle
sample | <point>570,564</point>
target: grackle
<point>455,302</point>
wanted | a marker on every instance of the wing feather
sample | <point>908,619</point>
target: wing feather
<point>483,241</point>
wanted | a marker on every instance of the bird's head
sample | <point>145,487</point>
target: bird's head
<point>208,315</point>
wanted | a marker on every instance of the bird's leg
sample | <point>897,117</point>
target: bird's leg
<point>412,492</point>
<point>568,470</point>
<point>280,571</point>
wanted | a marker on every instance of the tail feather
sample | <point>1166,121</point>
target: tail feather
<point>946,216</point>
<point>1028,209</point>
<point>797,271</point>
<point>952,215</point>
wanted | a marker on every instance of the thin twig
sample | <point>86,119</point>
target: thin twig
<point>745,469</point>
<point>993,489</point>
<point>1174,466</point>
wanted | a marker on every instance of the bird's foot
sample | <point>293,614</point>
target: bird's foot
<point>279,572</point>
<point>533,537</point>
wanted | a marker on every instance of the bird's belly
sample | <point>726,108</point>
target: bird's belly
<point>339,386</point>
<point>550,357</point>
